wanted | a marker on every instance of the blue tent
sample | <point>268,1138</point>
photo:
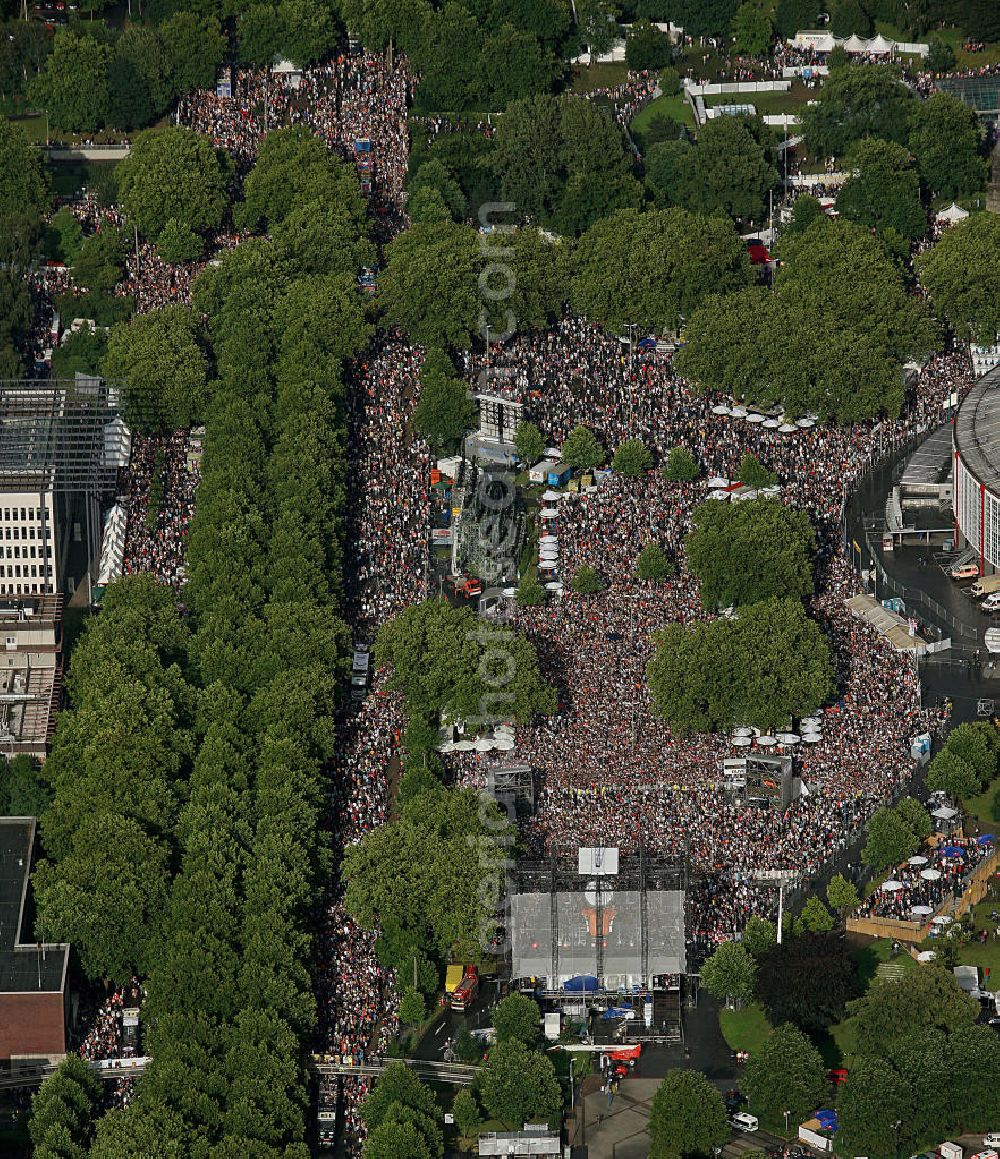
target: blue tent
<point>647,343</point>
<point>580,983</point>
<point>617,1012</point>
<point>953,851</point>
<point>984,839</point>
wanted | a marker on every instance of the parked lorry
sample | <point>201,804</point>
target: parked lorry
<point>985,586</point>
<point>466,991</point>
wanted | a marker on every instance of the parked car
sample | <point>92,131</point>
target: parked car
<point>991,603</point>
<point>992,1139</point>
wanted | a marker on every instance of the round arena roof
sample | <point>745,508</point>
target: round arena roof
<point>977,431</point>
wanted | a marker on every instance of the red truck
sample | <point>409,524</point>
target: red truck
<point>465,992</point>
<point>465,585</point>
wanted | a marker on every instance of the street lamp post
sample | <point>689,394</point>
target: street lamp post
<point>895,1126</point>
<point>786,1114</point>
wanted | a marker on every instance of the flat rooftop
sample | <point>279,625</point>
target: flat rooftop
<point>25,967</point>
<point>977,430</point>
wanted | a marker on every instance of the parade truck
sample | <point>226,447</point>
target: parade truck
<point>466,992</point>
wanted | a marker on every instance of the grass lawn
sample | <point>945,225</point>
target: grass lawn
<point>747,1029</point>
<point>979,806</point>
<point>598,76</point>
<point>869,957</point>
<point>675,107</point>
<point>956,37</point>
<point>768,104</point>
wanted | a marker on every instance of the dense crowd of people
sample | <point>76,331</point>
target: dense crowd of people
<point>926,881</point>
<point>157,490</point>
<point>610,772</point>
<point>353,98</point>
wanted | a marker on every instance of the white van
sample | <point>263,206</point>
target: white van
<point>992,1140</point>
<point>743,1121</point>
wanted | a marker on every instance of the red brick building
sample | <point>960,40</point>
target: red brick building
<point>33,975</point>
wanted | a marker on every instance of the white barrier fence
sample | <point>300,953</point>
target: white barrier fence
<point>742,86</point>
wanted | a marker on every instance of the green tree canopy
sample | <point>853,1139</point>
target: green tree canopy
<point>890,840</point>
<point>445,410</point>
<point>754,474</point>
<point>518,1085</point>
<point>529,442</point>
<point>944,138</point>
<point>63,1109</point>
<point>562,162</point>
<point>582,449</point>
<point>772,662</point>
<point>681,466</point>
<point>687,1117</point>
<point>441,663</point>
<point>962,276</point>
<point>646,47</point>
<point>775,547</point>
<point>978,744</point>
<point>517,1017</point>
<point>727,170</point>
<point>158,356</point>
<point>692,257</point>
<point>294,169</point>
<point>831,337</point>
<point>430,287</point>
<point>730,973</point>
<point>586,581</point>
<point>427,871</point>
<point>73,86</point>
<point>786,1074</point>
<point>841,894</point>
<point>916,817</point>
<point>174,173</point>
<point>857,102</point>
<point>950,772</point>
<point>653,564</point>
<point>633,457</point>
<point>883,190</point>
<point>807,980</point>
<point>752,29</point>
<point>23,185</point>
<point>928,998</point>
<point>815,917</point>
<point>759,935</point>
<point>195,48</point>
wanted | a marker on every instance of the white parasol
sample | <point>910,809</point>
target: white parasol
<point>931,874</point>
<point>788,738</point>
<point>892,886</point>
<point>721,409</point>
<point>766,742</point>
<point>504,744</point>
<point>917,860</point>
<point>787,429</point>
<point>812,737</point>
<point>464,746</point>
<point>921,911</point>
<point>771,424</point>
<point>739,412</point>
<point>742,742</point>
<point>755,418</point>
<point>484,745</point>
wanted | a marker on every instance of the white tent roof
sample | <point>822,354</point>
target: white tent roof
<point>953,213</point>
<point>880,45</point>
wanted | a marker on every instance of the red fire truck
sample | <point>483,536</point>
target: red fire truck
<point>465,992</point>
